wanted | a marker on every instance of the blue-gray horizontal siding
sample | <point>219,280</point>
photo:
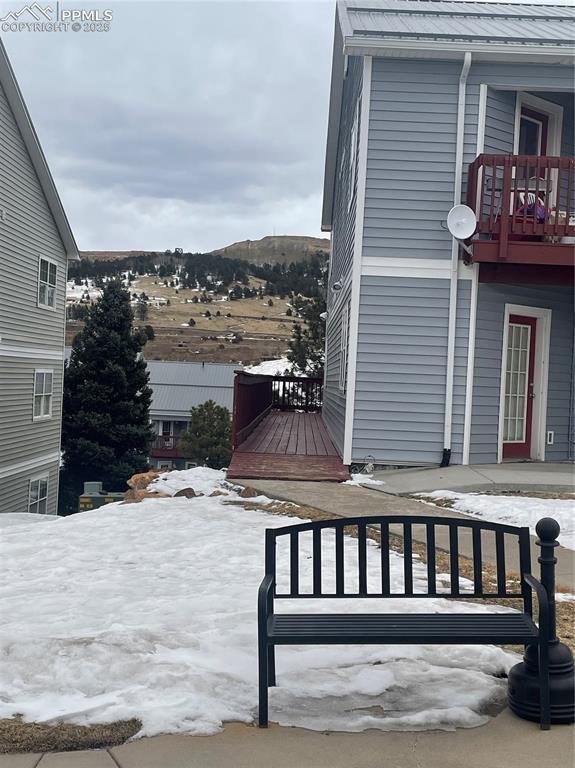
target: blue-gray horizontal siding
<point>503,81</point>
<point>411,158</point>
<point>401,370</point>
<point>460,369</point>
<point>343,227</point>
<point>334,398</point>
<point>488,355</point>
<point>14,490</point>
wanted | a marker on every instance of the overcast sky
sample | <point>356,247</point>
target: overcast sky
<point>189,124</point>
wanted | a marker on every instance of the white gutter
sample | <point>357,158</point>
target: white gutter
<point>452,325</point>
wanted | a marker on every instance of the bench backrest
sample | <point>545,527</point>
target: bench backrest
<point>336,567</point>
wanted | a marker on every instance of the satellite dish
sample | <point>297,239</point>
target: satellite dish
<point>461,222</point>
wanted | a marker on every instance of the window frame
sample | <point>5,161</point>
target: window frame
<point>50,262</point>
<point>43,416</point>
<point>45,477</point>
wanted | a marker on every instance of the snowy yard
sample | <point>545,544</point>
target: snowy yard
<point>515,510</point>
<point>149,611</point>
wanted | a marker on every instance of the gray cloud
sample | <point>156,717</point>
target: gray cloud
<point>189,124</point>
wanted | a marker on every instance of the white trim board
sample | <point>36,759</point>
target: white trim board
<point>357,259</point>
<point>29,465</point>
<point>382,266</point>
<point>541,377</point>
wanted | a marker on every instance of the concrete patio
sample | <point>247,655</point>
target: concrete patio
<point>509,476</point>
<point>505,742</point>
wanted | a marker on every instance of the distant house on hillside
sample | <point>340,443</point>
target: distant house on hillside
<point>176,389</point>
<point>35,245</point>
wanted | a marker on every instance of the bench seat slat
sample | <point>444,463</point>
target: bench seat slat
<point>399,628</point>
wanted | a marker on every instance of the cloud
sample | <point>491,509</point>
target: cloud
<point>188,124</point>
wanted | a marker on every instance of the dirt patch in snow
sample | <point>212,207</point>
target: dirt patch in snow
<point>18,736</point>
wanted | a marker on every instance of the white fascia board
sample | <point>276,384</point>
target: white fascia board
<point>37,158</point>
<point>456,49</point>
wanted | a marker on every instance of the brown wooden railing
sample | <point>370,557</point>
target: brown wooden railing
<point>522,197</point>
<point>255,396</point>
<point>165,445</point>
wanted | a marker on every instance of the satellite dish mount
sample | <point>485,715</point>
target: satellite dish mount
<point>462,223</point>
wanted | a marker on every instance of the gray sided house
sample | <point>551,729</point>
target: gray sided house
<point>436,353</point>
<point>176,389</point>
<point>35,245</point>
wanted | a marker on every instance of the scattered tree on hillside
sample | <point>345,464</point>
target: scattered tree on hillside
<point>150,333</point>
<point>208,438</point>
<point>106,428</point>
<point>191,322</point>
<point>142,309</point>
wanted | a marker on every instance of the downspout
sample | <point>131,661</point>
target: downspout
<point>452,325</point>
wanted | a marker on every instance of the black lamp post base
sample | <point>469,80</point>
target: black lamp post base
<point>523,685</point>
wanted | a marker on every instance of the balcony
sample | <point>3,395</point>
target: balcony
<point>165,447</point>
<point>278,432</point>
<point>525,209</point>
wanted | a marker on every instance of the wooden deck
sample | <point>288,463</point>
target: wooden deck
<point>288,446</point>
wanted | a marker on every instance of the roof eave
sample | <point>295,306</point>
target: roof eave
<point>37,158</point>
<point>374,45</point>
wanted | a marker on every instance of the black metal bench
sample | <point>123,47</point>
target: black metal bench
<point>517,628</point>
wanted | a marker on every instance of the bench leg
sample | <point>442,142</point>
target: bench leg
<point>544,702</point>
<point>271,665</point>
<point>263,684</point>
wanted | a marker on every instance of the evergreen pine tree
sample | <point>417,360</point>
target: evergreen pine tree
<point>307,345</point>
<point>106,428</point>
<point>208,439</point>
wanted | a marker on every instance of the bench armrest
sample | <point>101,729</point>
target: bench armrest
<point>265,596</point>
<point>543,601</point>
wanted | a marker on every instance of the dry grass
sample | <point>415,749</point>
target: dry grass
<point>565,610</point>
<point>18,736</point>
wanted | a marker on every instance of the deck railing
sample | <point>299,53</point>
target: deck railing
<point>165,445</point>
<point>255,396</point>
<point>522,197</point>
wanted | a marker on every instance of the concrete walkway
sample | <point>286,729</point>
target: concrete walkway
<point>512,476</point>
<point>354,501</point>
<point>505,742</point>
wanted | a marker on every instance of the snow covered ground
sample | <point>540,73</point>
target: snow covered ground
<point>77,292</point>
<point>515,510</point>
<point>359,478</point>
<point>149,610</point>
<point>270,367</point>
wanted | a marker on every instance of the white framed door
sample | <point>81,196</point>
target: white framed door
<point>524,382</point>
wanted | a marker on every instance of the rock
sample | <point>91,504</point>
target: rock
<point>248,492</point>
<point>140,482</point>
<point>219,493</point>
<point>187,493</point>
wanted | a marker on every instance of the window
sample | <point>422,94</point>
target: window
<point>43,381</point>
<point>38,495</point>
<point>47,284</point>
<point>344,344</point>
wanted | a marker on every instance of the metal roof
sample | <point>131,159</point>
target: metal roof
<point>178,387</point>
<point>502,23</point>
<point>16,102</point>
